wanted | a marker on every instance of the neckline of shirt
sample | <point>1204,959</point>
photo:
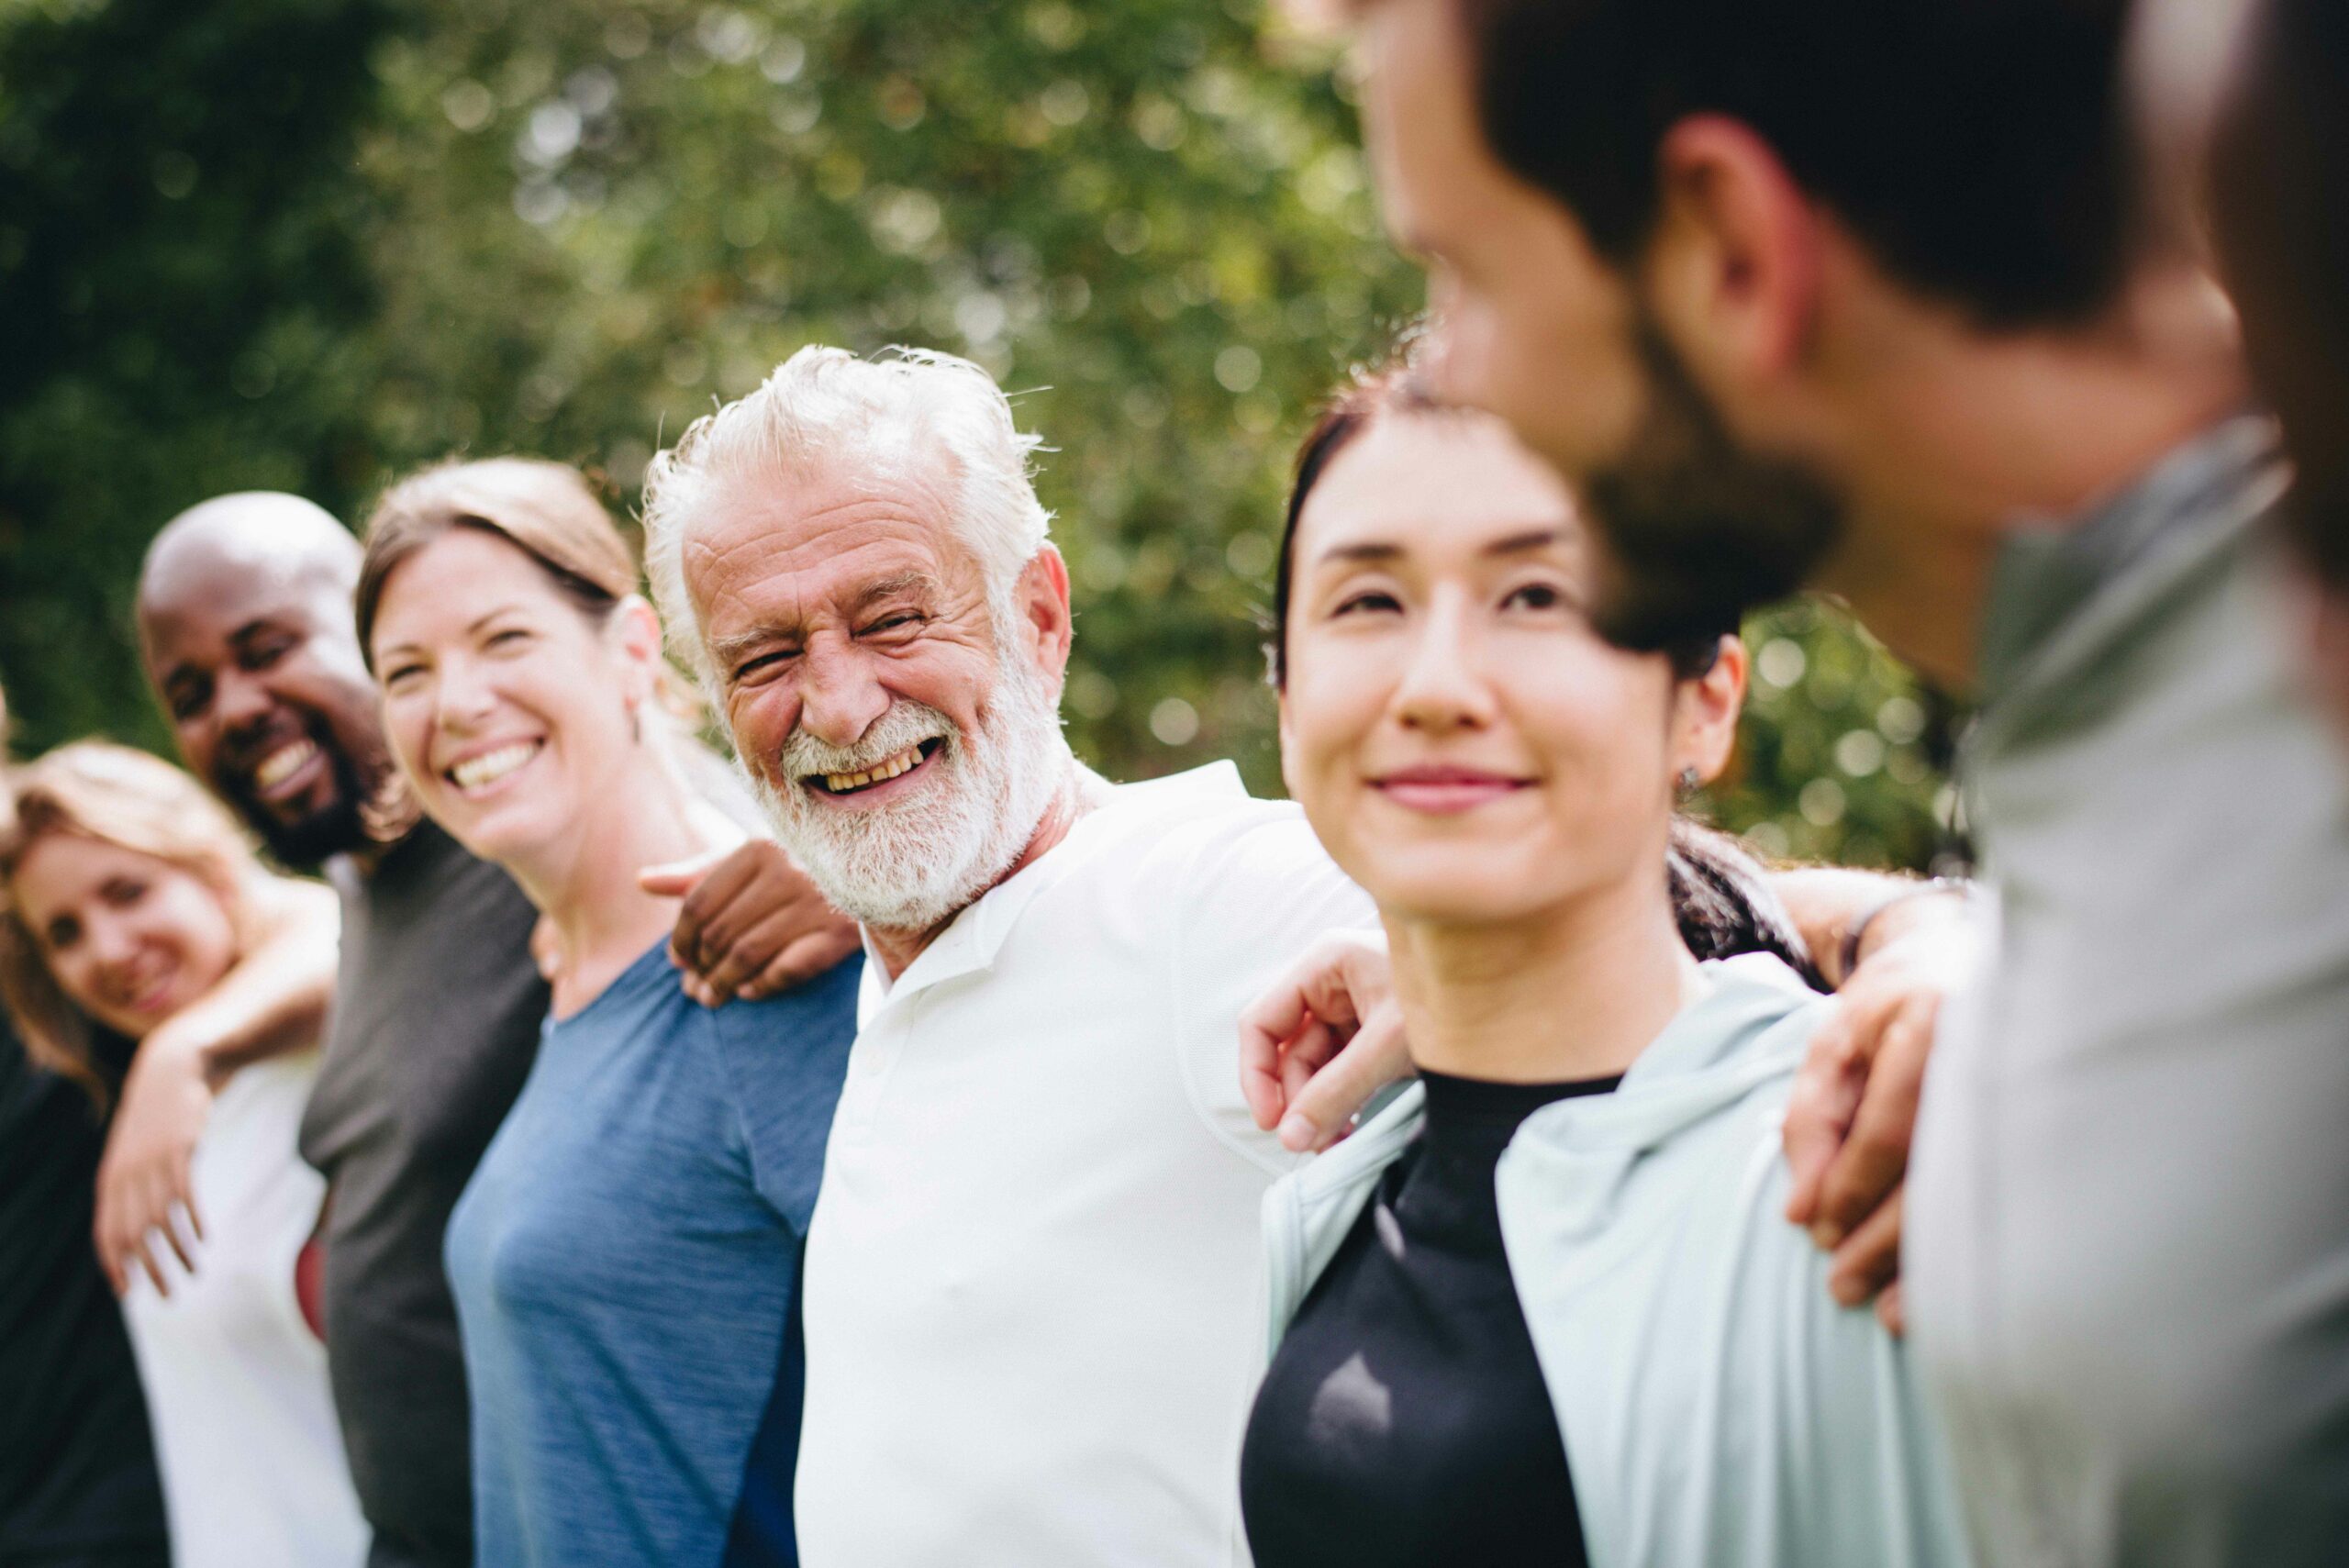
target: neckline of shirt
<point>971,940</point>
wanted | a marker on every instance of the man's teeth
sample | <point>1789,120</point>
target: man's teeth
<point>283,763</point>
<point>479,773</point>
<point>839,783</point>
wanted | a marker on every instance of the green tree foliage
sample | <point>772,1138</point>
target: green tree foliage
<point>568,228</point>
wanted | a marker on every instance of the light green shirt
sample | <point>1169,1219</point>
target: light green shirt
<point>1718,1410</point>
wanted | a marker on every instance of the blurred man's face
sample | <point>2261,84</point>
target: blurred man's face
<point>260,673</point>
<point>1535,326</point>
<point>1531,323</point>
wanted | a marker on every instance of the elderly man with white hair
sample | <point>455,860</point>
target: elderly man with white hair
<point>1032,1311</point>
<point>1033,1296</point>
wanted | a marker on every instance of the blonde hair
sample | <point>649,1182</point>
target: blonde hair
<point>97,790</point>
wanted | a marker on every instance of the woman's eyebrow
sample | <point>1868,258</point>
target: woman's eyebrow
<point>1521,544</point>
<point>1367,549</point>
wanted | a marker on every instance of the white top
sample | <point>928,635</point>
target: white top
<point>1034,1287</point>
<point>245,1432</point>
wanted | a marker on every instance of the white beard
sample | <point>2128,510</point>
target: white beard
<point>910,866</point>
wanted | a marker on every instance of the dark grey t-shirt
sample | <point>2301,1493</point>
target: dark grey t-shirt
<point>436,1021</point>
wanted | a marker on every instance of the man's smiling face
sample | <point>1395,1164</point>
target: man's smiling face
<point>893,721</point>
<point>256,661</point>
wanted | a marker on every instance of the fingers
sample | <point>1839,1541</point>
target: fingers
<point>709,895</point>
<point>1265,1052</point>
<point>145,1257</point>
<point>1874,1155</point>
<point>1870,1259</point>
<point>183,1192</point>
<point>749,954</point>
<point>677,878</point>
<point>1892,1309</point>
<point>133,1208</point>
<point>1818,1114</point>
<point>112,1263</point>
<point>1319,1112</point>
<point>180,1247</point>
<point>801,961</point>
<point>1274,1025</point>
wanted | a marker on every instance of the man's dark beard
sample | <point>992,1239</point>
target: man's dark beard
<point>1698,530</point>
<point>332,829</point>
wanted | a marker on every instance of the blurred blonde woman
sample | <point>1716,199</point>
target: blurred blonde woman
<point>125,893</point>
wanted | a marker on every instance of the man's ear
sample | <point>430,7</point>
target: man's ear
<point>1705,713</point>
<point>1733,268</point>
<point>1044,613</point>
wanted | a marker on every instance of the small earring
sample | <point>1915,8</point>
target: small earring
<point>635,724</point>
<point>1690,780</point>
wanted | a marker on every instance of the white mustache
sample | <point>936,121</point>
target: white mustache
<point>907,723</point>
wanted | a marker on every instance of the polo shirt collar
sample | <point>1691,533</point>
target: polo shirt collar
<point>969,943</point>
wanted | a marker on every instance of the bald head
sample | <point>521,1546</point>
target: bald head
<point>251,530</point>
<point>245,624</point>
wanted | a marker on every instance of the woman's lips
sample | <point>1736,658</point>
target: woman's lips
<point>1444,792</point>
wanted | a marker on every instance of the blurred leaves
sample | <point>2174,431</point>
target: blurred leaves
<point>309,243</point>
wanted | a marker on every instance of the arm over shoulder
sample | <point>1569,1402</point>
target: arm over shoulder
<point>1246,893</point>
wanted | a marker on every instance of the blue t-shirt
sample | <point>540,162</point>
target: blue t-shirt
<point>626,1258</point>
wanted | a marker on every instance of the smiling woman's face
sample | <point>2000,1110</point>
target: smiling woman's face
<point>129,937</point>
<point>1465,745</point>
<point>509,710</point>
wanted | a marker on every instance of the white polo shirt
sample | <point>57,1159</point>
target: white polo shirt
<point>1034,1294</point>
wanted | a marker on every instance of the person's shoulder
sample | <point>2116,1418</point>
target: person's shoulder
<point>823,1004</point>
<point>1171,829</point>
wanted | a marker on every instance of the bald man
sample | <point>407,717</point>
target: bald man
<point>245,626</point>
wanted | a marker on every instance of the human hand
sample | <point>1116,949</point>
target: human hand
<point>1853,1110</point>
<point>143,1188</point>
<point>1316,1047</point>
<point>752,924</point>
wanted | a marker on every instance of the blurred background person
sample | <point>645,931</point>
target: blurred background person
<point>1789,308</point>
<point>77,1459</point>
<point>2278,183</point>
<point>244,616</point>
<point>1502,783</point>
<point>626,1256</point>
<point>130,894</point>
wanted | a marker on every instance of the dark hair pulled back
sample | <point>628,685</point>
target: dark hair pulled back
<point>1720,896</point>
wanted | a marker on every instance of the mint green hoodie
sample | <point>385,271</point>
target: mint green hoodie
<point>1718,1406</point>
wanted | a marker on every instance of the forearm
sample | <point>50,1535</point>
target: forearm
<point>1827,904</point>
<point>275,999</point>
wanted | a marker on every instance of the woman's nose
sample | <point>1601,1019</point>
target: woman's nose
<point>463,697</point>
<point>111,944</point>
<point>1444,685</point>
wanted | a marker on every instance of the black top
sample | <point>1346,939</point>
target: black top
<point>435,1020</point>
<point>77,1464</point>
<point>1404,1420</point>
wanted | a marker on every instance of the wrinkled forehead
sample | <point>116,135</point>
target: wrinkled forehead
<point>830,537</point>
